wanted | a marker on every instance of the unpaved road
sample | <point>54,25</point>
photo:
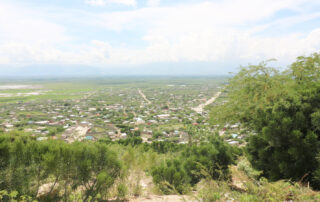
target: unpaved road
<point>166,198</point>
<point>200,108</point>
<point>144,96</point>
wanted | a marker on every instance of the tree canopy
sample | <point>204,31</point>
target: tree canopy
<point>282,109</point>
<point>26,164</point>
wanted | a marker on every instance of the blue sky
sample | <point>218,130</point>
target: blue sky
<point>158,37</point>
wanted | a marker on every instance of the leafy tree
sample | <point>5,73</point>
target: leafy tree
<point>133,141</point>
<point>208,160</point>
<point>171,177</point>
<point>165,146</point>
<point>96,168</point>
<point>26,164</point>
<point>282,110</point>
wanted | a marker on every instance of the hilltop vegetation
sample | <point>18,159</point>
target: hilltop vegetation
<point>136,139</point>
<point>282,110</point>
<point>86,171</point>
<point>93,168</point>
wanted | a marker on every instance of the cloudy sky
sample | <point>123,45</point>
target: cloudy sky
<point>179,37</point>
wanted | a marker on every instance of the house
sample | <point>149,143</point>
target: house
<point>153,121</point>
<point>42,138</point>
<point>88,138</point>
<point>42,122</point>
<point>140,121</point>
<point>231,142</point>
<point>123,135</point>
<point>234,135</point>
<point>163,116</point>
<point>8,125</point>
<point>28,129</point>
<point>234,126</point>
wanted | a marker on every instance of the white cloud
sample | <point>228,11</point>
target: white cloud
<point>153,3</point>
<point>217,46</point>
<point>223,31</point>
<point>25,26</point>
<point>105,2</point>
<point>202,15</point>
<point>96,2</point>
<point>25,37</point>
<point>209,32</point>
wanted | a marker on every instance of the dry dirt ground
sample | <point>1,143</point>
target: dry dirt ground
<point>167,198</point>
<point>199,109</point>
<point>144,96</point>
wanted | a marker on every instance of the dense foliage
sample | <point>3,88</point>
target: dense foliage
<point>26,164</point>
<point>165,146</point>
<point>282,109</point>
<point>208,160</point>
<point>171,177</point>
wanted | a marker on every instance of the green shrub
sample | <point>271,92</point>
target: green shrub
<point>165,146</point>
<point>133,141</point>
<point>283,111</point>
<point>171,177</point>
<point>122,191</point>
<point>208,160</point>
<point>27,164</point>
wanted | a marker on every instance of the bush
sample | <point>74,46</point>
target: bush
<point>165,146</point>
<point>282,109</point>
<point>26,164</point>
<point>122,191</point>
<point>208,160</point>
<point>133,141</point>
<point>171,177</point>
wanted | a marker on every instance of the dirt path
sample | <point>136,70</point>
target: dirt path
<point>144,96</point>
<point>200,108</point>
<point>165,198</point>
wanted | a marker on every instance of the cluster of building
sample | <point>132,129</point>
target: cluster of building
<point>162,113</point>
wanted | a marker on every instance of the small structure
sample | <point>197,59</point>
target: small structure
<point>88,138</point>
<point>163,116</point>
<point>234,135</point>
<point>123,135</point>
<point>42,138</point>
<point>140,121</point>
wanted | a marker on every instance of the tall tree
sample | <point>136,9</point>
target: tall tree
<point>282,111</point>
